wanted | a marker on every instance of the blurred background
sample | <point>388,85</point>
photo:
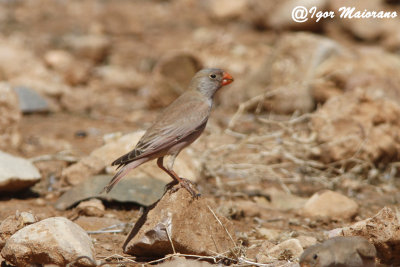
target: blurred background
<point>314,106</point>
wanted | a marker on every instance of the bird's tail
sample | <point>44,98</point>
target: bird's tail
<point>121,173</point>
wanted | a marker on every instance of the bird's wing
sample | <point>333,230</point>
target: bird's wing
<point>178,121</point>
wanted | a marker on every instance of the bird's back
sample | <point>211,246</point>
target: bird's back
<point>181,118</point>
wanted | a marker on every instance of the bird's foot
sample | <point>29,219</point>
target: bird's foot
<point>190,187</point>
<point>184,183</point>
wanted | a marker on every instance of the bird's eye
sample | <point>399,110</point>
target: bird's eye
<point>315,256</point>
<point>213,76</point>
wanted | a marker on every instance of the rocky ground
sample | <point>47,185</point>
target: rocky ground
<point>303,147</point>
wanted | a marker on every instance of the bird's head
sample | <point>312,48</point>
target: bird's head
<point>208,81</point>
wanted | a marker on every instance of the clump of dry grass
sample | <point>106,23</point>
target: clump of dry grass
<point>282,150</point>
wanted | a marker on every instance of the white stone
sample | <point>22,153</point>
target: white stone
<point>16,173</point>
<point>54,240</point>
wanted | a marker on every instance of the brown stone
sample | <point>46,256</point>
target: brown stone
<point>358,125</point>
<point>189,223</point>
<point>330,205</point>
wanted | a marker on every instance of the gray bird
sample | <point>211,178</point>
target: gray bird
<point>353,251</point>
<point>179,125</point>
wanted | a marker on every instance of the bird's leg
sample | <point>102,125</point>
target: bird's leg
<point>186,183</point>
<point>170,185</point>
<point>176,179</point>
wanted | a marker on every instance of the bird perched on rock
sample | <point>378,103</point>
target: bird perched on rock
<point>179,125</point>
<point>353,251</point>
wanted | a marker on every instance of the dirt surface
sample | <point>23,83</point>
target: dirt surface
<point>266,146</point>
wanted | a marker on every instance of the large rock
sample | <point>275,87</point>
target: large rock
<point>182,223</point>
<point>16,173</point>
<point>141,190</point>
<point>10,117</point>
<point>358,125</point>
<point>54,240</point>
<point>330,205</point>
<point>102,157</point>
<point>383,230</point>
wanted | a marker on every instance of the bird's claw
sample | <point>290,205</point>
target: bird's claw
<point>185,183</point>
<point>189,185</point>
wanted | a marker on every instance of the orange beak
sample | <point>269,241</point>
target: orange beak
<point>226,79</point>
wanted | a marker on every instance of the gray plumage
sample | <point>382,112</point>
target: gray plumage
<point>180,124</point>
